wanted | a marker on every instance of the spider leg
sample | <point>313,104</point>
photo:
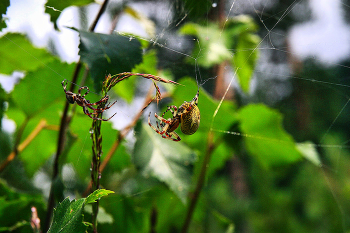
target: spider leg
<point>172,109</point>
<point>173,136</point>
<point>90,114</point>
<point>64,85</point>
<point>104,99</point>
<point>83,88</point>
<point>154,128</point>
<point>161,118</point>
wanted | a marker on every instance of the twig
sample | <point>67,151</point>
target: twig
<point>41,125</point>
<point>200,182</point>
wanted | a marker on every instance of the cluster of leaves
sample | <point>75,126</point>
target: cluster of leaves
<point>154,177</point>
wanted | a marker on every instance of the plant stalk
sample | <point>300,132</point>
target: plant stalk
<point>199,186</point>
<point>62,132</point>
<point>95,166</point>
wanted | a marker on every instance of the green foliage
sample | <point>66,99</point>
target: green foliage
<point>97,194</point>
<point>18,54</point>
<point>68,217</point>
<point>114,53</point>
<point>29,88</point>
<point>15,209</point>
<point>246,50</point>
<point>264,125</point>
<point>166,160</point>
<point>197,9</point>
<point>3,8</point>
<point>216,43</point>
<point>257,178</point>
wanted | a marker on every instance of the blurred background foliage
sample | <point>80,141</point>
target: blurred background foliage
<point>271,150</point>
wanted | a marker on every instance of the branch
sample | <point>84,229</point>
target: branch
<point>41,125</point>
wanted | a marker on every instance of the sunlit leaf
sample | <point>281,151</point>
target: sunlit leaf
<point>214,44</point>
<point>18,54</point>
<point>245,58</point>
<point>3,8</point>
<point>39,150</point>
<point>241,24</point>
<point>242,29</point>
<point>38,90</point>
<point>266,139</point>
<point>108,54</point>
<point>164,159</point>
<point>308,150</point>
<point>55,7</point>
<point>97,194</point>
<point>68,217</point>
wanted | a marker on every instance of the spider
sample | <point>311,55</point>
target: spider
<point>187,115</point>
<point>81,101</point>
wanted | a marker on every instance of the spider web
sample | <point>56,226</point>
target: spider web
<point>291,33</point>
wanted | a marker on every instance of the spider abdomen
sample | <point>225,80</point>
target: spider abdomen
<point>190,120</point>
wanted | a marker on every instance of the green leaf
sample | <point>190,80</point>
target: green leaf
<point>164,159</point>
<point>18,54</point>
<point>41,148</point>
<point>4,4</point>
<point>55,7</point>
<point>245,58</point>
<point>42,87</point>
<point>97,194</point>
<point>308,150</point>
<point>68,217</point>
<point>15,208</point>
<point>266,139</point>
<point>108,54</point>
<point>214,43</point>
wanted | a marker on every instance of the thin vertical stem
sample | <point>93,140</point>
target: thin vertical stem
<point>200,183</point>
<point>61,136</point>
<point>95,167</point>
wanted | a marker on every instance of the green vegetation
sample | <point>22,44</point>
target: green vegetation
<point>248,168</point>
